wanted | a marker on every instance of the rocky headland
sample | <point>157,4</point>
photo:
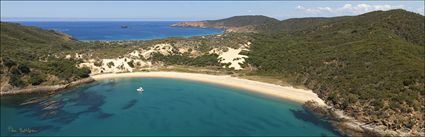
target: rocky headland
<point>349,126</point>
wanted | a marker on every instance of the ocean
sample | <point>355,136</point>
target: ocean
<point>166,107</point>
<point>122,30</point>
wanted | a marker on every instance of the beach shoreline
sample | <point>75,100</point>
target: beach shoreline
<point>273,90</point>
<point>346,125</point>
<point>283,92</point>
<point>47,88</point>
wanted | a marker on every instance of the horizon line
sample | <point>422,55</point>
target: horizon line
<point>88,19</point>
<point>129,19</point>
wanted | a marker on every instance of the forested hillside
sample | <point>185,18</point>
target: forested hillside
<point>403,23</point>
<point>232,24</point>
<point>371,65</point>
<point>27,57</point>
<point>32,56</point>
<point>239,21</point>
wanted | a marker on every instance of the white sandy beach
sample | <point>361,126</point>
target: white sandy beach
<point>284,92</point>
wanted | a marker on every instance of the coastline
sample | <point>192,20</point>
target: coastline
<point>50,88</point>
<point>344,124</point>
<point>349,126</point>
<point>284,92</point>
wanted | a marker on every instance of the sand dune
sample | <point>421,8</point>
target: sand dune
<point>285,92</point>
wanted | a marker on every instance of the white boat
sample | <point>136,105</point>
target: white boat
<point>140,89</point>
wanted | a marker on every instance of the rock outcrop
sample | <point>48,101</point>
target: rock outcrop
<point>349,126</point>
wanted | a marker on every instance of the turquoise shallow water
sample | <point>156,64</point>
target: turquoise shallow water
<point>167,107</point>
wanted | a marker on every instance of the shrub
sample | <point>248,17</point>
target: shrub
<point>24,69</point>
<point>110,64</point>
<point>15,80</point>
<point>83,72</point>
<point>98,63</point>
<point>131,63</point>
<point>15,71</point>
<point>36,79</point>
<point>8,62</point>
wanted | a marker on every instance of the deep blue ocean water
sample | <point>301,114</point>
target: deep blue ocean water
<point>112,30</point>
<point>167,107</point>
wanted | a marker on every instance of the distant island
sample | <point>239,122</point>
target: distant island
<point>370,66</point>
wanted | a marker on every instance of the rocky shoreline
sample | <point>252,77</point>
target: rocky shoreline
<point>53,88</point>
<point>348,126</point>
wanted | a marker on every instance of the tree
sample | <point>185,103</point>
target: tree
<point>131,63</point>
<point>36,79</point>
<point>24,68</point>
<point>8,62</point>
<point>110,64</point>
<point>83,72</point>
<point>15,80</point>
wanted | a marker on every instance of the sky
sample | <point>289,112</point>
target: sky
<point>190,10</point>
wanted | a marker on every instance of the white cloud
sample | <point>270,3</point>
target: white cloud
<point>420,11</point>
<point>349,8</point>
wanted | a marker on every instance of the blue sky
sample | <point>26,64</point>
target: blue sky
<point>191,10</point>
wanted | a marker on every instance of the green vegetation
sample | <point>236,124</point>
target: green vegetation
<point>185,59</point>
<point>62,68</point>
<point>110,64</point>
<point>36,78</point>
<point>357,64</point>
<point>371,65</point>
<point>33,56</point>
<point>204,43</point>
<point>239,21</point>
<point>131,63</point>
<point>402,23</point>
<point>27,56</point>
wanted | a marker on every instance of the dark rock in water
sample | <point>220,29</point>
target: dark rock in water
<point>308,116</point>
<point>65,117</point>
<point>328,119</point>
<point>51,109</point>
<point>129,104</point>
<point>90,99</point>
<point>34,100</point>
<point>316,110</point>
<point>124,26</point>
<point>49,114</point>
<point>52,105</point>
<point>104,115</point>
<point>305,116</point>
<point>110,84</point>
